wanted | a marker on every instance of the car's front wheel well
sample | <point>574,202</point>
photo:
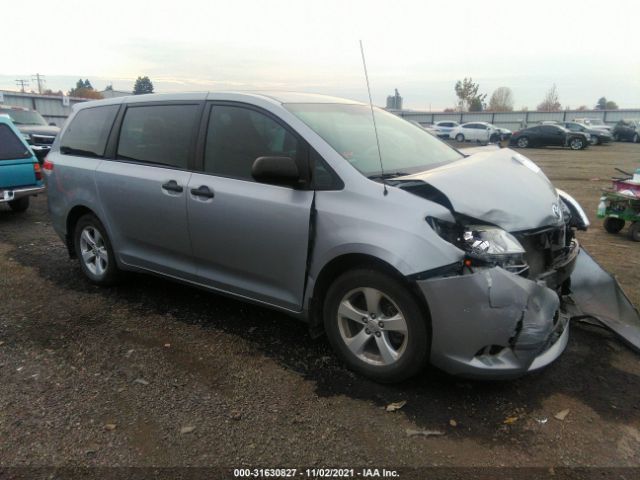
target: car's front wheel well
<point>343,264</point>
<point>74,215</point>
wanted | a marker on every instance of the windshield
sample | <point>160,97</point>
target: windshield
<point>24,117</point>
<point>404,147</point>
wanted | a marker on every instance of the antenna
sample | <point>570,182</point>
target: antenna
<point>373,117</point>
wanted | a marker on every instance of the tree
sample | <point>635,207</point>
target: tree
<point>582,108</point>
<point>551,102</point>
<point>501,100</point>
<point>477,104</point>
<point>604,104</point>
<point>109,88</point>
<point>467,92</point>
<point>84,89</point>
<point>143,85</point>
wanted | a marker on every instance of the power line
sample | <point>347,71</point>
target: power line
<point>40,79</point>
<point>21,82</point>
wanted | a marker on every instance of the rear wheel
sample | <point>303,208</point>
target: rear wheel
<point>634,231</point>
<point>460,137</point>
<point>522,142</point>
<point>94,251</point>
<point>19,205</point>
<point>376,325</point>
<point>576,144</point>
<point>613,225</point>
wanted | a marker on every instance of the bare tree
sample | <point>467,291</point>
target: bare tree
<point>551,102</point>
<point>501,100</point>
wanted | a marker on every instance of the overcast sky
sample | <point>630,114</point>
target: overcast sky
<point>587,48</point>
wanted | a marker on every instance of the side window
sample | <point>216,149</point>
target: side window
<point>236,136</point>
<point>159,134</point>
<point>88,132</point>
<point>11,148</point>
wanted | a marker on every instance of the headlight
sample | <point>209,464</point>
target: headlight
<point>484,245</point>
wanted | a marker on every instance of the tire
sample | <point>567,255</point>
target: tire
<point>459,137</point>
<point>613,225</point>
<point>94,251</point>
<point>636,138</point>
<point>576,144</point>
<point>634,231</point>
<point>19,205</point>
<point>381,352</point>
<point>522,142</point>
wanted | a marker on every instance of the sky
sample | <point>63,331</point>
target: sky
<point>588,48</point>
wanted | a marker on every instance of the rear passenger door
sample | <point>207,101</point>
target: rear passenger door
<point>143,186</point>
<point>248,238</point>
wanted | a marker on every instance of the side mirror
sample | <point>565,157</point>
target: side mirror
<point>276,171</point>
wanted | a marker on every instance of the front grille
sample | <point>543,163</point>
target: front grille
<point>544,249</point>
<point>42,139</point>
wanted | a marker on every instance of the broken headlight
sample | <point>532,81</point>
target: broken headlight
<point>484,245</point>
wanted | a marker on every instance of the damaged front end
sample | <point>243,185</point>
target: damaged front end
<point>504,310</point>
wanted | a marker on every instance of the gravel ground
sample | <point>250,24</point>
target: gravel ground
<point>153,373</point>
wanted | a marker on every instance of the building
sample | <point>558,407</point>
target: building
<point>54,108</point>
<point>394,102</point>
<point>114,93</point>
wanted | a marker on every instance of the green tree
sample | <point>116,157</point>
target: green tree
<point>467,93</point>
<point>501,100</point>
<point>84,89</point>
<point>551,102</point>
<point>143,85</point>
<point>602,103</point>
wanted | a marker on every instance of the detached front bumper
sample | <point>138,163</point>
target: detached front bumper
<point>8,194</point>
<point>494,324</point>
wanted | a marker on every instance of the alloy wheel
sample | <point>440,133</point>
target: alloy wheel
<point>372,326</point>
<point>94,251</point>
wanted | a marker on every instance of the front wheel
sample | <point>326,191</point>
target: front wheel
<point>523,142</point>
<point>19,205</point>
<point>459,137</point>
<point>576,144</point>
<point>376,326</point>
<point>613,225</point>
<point>94,251</point>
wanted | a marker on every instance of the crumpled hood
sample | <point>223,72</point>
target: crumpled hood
<point>39,129</point>
<point>500,187</point>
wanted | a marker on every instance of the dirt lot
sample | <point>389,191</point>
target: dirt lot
<point>92,376</point>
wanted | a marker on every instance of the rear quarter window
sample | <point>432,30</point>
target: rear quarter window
<point>88,132</point>
<point>11,148</point>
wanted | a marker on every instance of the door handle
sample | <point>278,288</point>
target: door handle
<point>172,186</point>
<point>202,191</point>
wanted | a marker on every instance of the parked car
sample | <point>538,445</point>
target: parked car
<point>293,202</point>
<point>627,131</point>
<point>475,131</point>
<point>33,127</point>
<point>505,133</point>
<point>597,136</point>
<point>427,128</point>
<point>20,174</point>
<point>549,135</point>
<point>444,127</point>
<point>594,123</point>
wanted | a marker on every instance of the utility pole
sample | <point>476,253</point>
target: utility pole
<point>40,79</point>
<point>21,82</point>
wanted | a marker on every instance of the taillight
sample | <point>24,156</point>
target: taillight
<point>48,164</point>
<point>37,171</point>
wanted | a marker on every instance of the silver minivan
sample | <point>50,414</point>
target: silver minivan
<point>401,249</point>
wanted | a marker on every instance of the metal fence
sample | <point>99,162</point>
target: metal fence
<point>520,119</point>
<point>53,108</point>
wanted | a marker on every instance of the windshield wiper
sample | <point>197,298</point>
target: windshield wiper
<point>386,175</point>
